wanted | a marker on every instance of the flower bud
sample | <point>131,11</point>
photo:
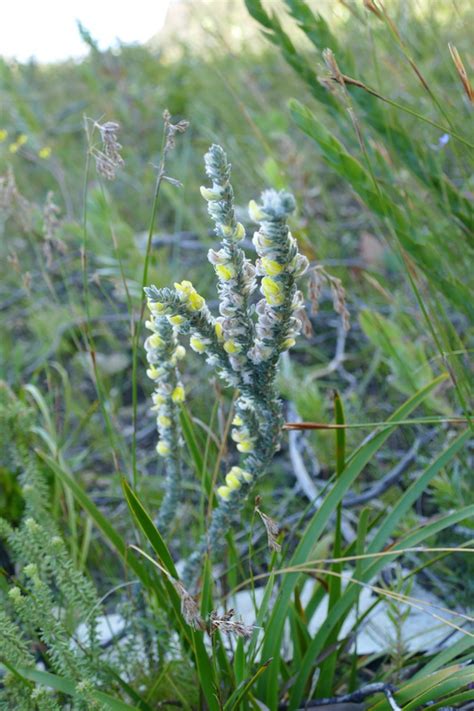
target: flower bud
<point>224,492</point>
<point>178,395</point>
<point>272,291</point>
<point>176,320</point>
<point>225,271</point>
<point>197,345</point>
<point>271,266</point>
<point>210,194</point>
<point>163,449</point>
<point>255,212</point>
<point>232,481</point>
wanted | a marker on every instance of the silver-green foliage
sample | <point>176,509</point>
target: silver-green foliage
<point>245,341</point>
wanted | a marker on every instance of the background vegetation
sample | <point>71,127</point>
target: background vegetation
<point>373,139</point>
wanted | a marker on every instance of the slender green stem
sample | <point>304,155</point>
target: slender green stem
<point>328,667</point>
<point>89,339</point>
<point>137,326</point>
<point>408,110</point>
<point>370,425</point>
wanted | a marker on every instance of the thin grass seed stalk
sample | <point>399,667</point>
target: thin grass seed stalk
<point>244,342</point>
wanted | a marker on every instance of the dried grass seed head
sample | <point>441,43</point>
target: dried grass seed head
<point>224,623</point>
<point>171,129</point>
<point>273,530</point>
<point>108,160</point>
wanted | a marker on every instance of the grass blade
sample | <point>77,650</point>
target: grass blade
<point>268,686</point>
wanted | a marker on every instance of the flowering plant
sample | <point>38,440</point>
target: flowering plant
<point>243,343</point>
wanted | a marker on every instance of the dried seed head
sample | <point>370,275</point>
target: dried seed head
<point>13,203</point>
<point>50,227</point>
<point>273,530</point>
<point>314,290</point>
<point>108,159</point>
<point>8,190</point>
<point>307,327</point>
<point>339,302</point>
<point>317,278</point>
<point>372,7</point>
<point>189,608</point>
<point>171,129</point>
<point>456,57</point>
<point>225,623</point>
<point>331,64</point>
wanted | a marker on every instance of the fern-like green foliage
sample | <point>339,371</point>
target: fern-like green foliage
<point>50,611</point>
<point>45,595</point>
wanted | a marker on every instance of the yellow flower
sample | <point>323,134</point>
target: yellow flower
<point>150,325</point>
<point>188,294</point>
<point>272,291</point>
<point>241,474</point>
<point>3,134</point>
<point>155,341</point>
<point>245,445</point>
<point>179,353</point>
<point>260,241</point>
<point>158,399</point>
<point>225,271</point>
<point>239,232</point>
<point>231,347</point>
<point>164,421</point>
<point>153,373</point>
<point>22,139</point>
<point>271,266</point>
<point>195,301</point>
<point>197,345</point>
<point>256,214</point>
<point>237,421</point>
<point>178,395</point>
<point>218,329</point>
<point>44,152</point>
<point>288,343</point>
<point>176,320</point>
<point>163,449</point>
<point>209,194</point>
<point>156,307</point>
<point>224,492</point>
<point>184,287</point>
<point>13,147</point>
<point>232,481</point>
<point>226,230</point>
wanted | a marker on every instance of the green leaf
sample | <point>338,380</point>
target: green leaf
<point>101,521</point>
<point>149,529</point>
<point>268,686</point>
<point>464,644</point>
<point>243,689</point>
<point>328,667</point>
<point>453,683</point>
<point>416,693</point>
<point>191,440</point>
<point>352,592</point>
<point>413,493</point>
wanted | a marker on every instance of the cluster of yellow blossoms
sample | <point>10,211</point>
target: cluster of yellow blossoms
<point>14,147</point>
<point>233,482</point>
<point>279,265</point>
